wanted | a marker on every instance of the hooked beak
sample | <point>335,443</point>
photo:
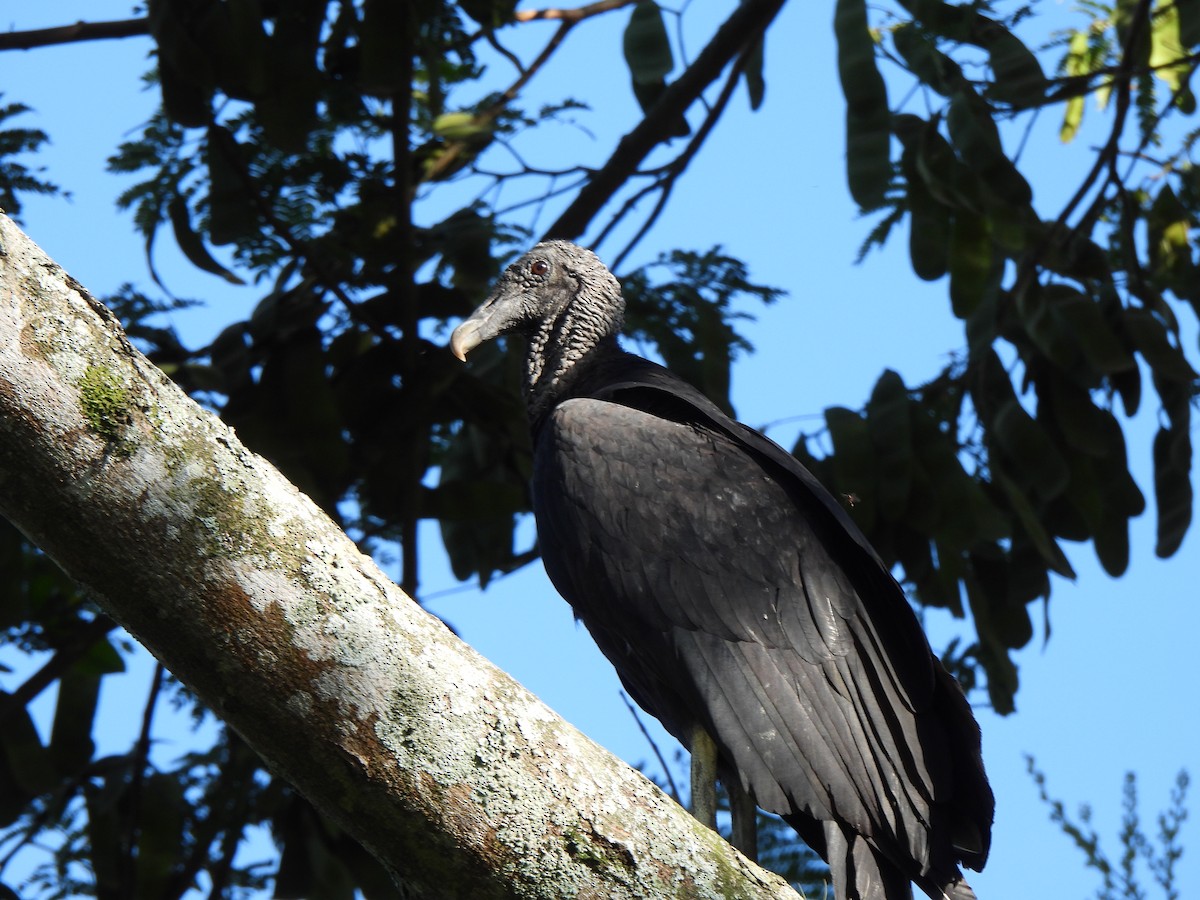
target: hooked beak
<point>498,315</point>
<point>465,338</point>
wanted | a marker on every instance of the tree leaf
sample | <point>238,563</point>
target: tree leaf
<point>71,744</point>
<point>231,211</point>
<point>1081,317</point>
<point>383,70</point>
<point>1167,54</point>
<point>854,467</point>
<point>868,124</point>
<point>1030,450</point>
<point>646,44</point>
<point>23,754</point>
<point>1189,22</point>
<point>1169,223</point>
<point>926,61</point>
<point>1017,75</point>
<point>971,260</point>
<point>1076,64</point>
<point>1031,524</point>
<point>752,71</point>
<point>975,136</point>
<point>891,435</point>
<point>1150,336</point>
<point>192,244</point>
<point>1173,491</point>
<point>928,230</point>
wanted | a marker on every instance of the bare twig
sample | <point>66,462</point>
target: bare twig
<point>571,16</point>
<point>654,747</point>
<point>1105,159</point>
<point>745,24</point>
<point>679,165</point>
<point>70,34</point>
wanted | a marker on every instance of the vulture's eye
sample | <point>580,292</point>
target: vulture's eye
<point>539,267</point>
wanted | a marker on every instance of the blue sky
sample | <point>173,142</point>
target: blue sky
<point>1113,688</point>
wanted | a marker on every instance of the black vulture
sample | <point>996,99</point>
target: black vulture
<point>737,600</point>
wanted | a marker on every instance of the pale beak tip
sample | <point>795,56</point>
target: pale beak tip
<point>465,339</point>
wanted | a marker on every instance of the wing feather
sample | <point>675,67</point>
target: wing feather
<point>728,592</point>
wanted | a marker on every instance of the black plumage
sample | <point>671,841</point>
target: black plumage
<point>733,593</point>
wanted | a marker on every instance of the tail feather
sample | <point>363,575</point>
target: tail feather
<point>954,888</point>
<point>860,872</point>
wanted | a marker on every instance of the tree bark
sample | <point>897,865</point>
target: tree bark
<point>460,781</point>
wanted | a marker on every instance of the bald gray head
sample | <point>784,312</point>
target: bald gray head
<point>563,300</point>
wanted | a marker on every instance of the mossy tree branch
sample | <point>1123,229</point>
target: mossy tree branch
<point>455,777</point>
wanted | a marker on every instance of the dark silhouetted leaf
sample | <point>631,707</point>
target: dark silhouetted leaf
<point>868,124</point>
<point>1030,449</point>
<point>971,262</point>
<point>192,244</point>
<point>891,436</point>
<point>647,47</point>
<point>1172,488</point>
<point>752,71</point>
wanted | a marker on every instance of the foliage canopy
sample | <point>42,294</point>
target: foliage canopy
<point>314,141</point>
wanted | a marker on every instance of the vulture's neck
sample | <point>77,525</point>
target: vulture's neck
<point>559,351</point>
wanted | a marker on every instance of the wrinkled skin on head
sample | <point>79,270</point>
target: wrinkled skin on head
<point>563,300</point>
<point>556,280</point>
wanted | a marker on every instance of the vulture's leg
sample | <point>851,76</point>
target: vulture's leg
<point>704,778</point>
<point>744,812</point>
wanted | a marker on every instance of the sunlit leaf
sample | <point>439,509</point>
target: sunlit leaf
<point>1076,64</point>
<point>1167,54</point>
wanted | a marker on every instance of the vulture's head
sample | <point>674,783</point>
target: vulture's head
<point>559,296</point>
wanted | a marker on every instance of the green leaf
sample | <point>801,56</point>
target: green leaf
<point>242,69</point>
<point>891,435</point>
<point>1152,340</point>
<point>383,70</point>
<point>192,244</point>
<point>1189,22</point>
<point>1017,75</point>
<point>1046,331</point>
<point>1173,491</point>
<point>974,134</point>
<point>924,60</point>
<point>868,123</point>
<point>27,761</point>
<point>928,232</point>
<point>1084,426</point>
<point>854,466</point>
<point>162,813</point>
<point>288,108</point>
<point>1082,317</point>
<point>71,745</point>
<point>1041,540</point>
<point>1167,54</point>
<point>1031,451</point>
<point>231,211</point>
<point>752,71</point>
<point>1169,223</point>
<point>647,46</point>
<point>475,501</point>
<point>1076,64</point>
<point>971,260</point>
